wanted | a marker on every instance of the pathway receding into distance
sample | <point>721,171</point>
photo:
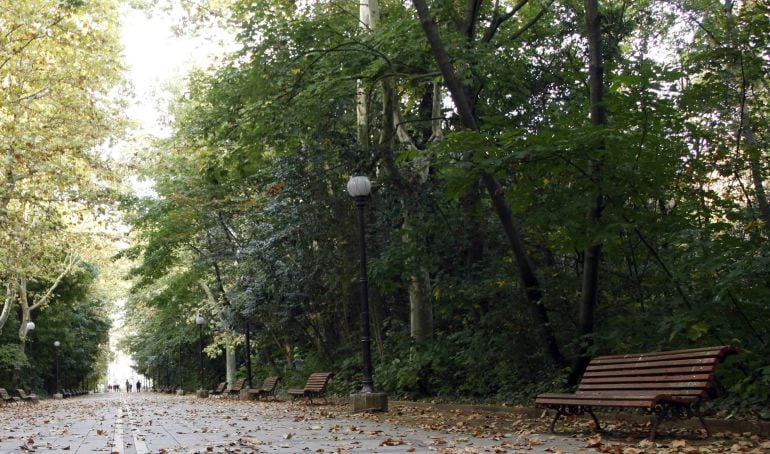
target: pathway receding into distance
<point>128,423</point>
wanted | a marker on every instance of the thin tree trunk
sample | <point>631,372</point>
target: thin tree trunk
<point>752,156</point>
<point>420,303</point>
<point>10,296</point>
<point>420,306</point>
<point>368,16</point>
<point>230,365</point>
<point>527,274</point>
<point>230,360</point>
<point>592,253</point>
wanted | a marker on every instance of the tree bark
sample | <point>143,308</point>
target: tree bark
<point>527,273</point>
<point>592,253</point>
<point>752,156</point>
<point>7,304</point>
<point>230,365</point>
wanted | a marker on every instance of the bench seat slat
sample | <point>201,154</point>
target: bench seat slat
<point>647,379</point>
<point>654,364</point>
<point>640,358</point>
<point>651,371</point>
<point>603,402</point>
<point>688,353</point>
<point>699,385</point>
<point>642,393</point>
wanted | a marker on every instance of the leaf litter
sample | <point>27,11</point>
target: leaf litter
<point>259,426</point>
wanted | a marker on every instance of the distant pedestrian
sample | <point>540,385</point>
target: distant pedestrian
<point>138,386</point>
<point>128,386</point>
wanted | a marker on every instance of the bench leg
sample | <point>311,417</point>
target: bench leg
<point>559,412</point>
<point>568,410</point>
<point>697,413</point>
<point>654,428</point>
<point>596,421</point>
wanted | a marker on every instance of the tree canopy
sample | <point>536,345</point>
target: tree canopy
<point>485,161</point>
<point>553,180</point>
<point>59,67</point>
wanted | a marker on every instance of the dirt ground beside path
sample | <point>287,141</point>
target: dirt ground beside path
<point>621,435</point>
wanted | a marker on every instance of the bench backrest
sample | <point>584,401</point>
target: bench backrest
<point>21,393</point>
<point>221,387</point>
<point>240,384</point>
<point>270,384</point>
<point>317,381</point>
<point>682,373</point>
<point>4,394</point>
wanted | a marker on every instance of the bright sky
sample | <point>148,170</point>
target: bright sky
<point>154,56</point>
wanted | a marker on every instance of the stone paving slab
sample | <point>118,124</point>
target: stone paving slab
<point>140,423</point>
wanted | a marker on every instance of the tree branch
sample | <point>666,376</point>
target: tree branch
<point>531,22</point>
<point>497,20</point>
<point>71,261</point>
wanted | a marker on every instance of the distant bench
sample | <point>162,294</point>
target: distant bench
<point>235,391</point>
<point>666,384</point>
<point>267,389</point>
<point>7,398</point>
<point>315,387</point>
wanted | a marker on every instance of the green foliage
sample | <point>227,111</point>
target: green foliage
<point>11,358</point>
<point>252,224</point>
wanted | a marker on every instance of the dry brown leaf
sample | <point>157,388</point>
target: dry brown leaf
<point>392,442</point>
<point>677,444</point>
<point>594,441</point>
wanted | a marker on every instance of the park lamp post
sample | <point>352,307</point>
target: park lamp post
<point>199,320</point>
<point>359,187</point>
<point>30,328</point>
<point>57,392</point>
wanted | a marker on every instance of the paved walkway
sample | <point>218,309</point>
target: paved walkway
<point>140,423</point>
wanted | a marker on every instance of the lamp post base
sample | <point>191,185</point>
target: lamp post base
<point>369,402</point>
<point>58,396</point>
<point>202,393</point>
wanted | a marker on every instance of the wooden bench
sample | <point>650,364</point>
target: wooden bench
<point>235,391</point>
<point>315,387</point>
<point>267,389</point>
<point>7,398</point>
<point>219,390</point>
<point>666,385</point>
<point>28,398</point>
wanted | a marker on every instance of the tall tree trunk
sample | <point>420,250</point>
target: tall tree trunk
<point>420,306</point>
<point>230,362</point>
<point>230,365</point>
<point>368,16</point>
<point>527,273</point>
<point>745,133</point>
<point>10,297</point>
<point>420,303</point>
<point>592,253</point>
<point>752,153</point>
